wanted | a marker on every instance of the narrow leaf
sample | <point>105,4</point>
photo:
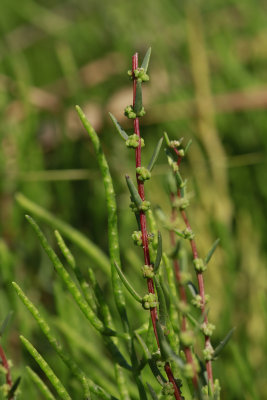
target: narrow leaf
<point>146,60</point>
<point>163,314</point>
<point>127,285</point>
<point>13,389</point>
<point>159,253</point>
<point>187,146</point>
<point>166,137</point>
<point>223,343</point>
<point>113,236</point>
<point>156,372</point>
<point>94,252</point>
<point>65,250</point>
<point>166,350</point>
<point>211,251</point>
<point>122,133</point>
<point>192,288</point>
<point>116,354</point>
<point>155,155</point>
<point>133,191</point>
<point>62,392</point>
<point>5,323</point>
<point>64,275</point>
<point>138,104</point>
<point>145,349</point>
<point>68,360</point>
<point>152,392</point>
<point>40,384</point>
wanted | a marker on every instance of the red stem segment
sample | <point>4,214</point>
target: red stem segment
<point>6,366</point>
<point>183,298</point>
<point>200,280</point>
<point>143,224</point>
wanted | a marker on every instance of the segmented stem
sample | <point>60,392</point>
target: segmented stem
<point>143,224</point>
<point>183,298</point>
<point>200,280</point>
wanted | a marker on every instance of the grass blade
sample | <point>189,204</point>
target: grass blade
<point>122,133</point>
<point>62,392</point>
<point>146,59</point>
<point>155,155</point>
<point>94,252</point>
<point>40,384</point>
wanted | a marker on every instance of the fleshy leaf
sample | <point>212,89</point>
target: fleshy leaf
<point>146,60</point>
<point>187,146</point>
<point>163,314</point>
<point>13,389</point>
<point>155,155</point>
<point>122,133</point>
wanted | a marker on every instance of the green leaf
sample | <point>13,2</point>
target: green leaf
<point>166,137</point>
<point>211,251</point>
<point>187,146</point>
<point>68,360</point>
<point>5,323</point>
<point>146,59</point>
<point>40,384</point>
<point>138,104</point>
<point>155,155</point>
<point>127,284</point>
<point>163,314</point>
<point>223,343</point>
<point>62,392</point>
<point>65,250</point>
<point>122,133</point>
<point>152,392</point>
<point>72,287</point>
<point>113,236</point>
<point>159,253</point>
<point>166,350</point>
<point>94,252</point>
<point>13,389</point>
<point>145,349</point>
<point>133,191</point>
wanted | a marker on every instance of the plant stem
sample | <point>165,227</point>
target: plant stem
<point>200,280</point>
<point>6,366</point>
<point>143,224</point>
<point>183,297</point>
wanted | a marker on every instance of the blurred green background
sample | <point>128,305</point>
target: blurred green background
<point>208,82</point>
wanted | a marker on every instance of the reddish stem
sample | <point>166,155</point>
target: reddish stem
<point>143,224</point>
<point>183,297</point>
<point>200,283</point>
<point>6,366</point>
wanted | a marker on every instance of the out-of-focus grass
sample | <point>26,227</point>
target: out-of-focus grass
<point>54,54</point>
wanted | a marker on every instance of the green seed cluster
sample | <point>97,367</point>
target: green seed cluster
<point>199,265</point>
<point>207,328</point>
<point>188,234</point>
<point>143,173</point>
<point>137,238</point>
<point>208,353</point>
<point>130,113</point>
<point>133,141</point>
<point>148,271</point>
<point>167,391</point>
<point>149,301</point>
<point>141,75</point>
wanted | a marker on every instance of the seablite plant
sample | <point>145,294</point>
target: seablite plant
<point>171,354</point>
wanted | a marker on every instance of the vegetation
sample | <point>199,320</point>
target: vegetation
<point>198,77</point>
